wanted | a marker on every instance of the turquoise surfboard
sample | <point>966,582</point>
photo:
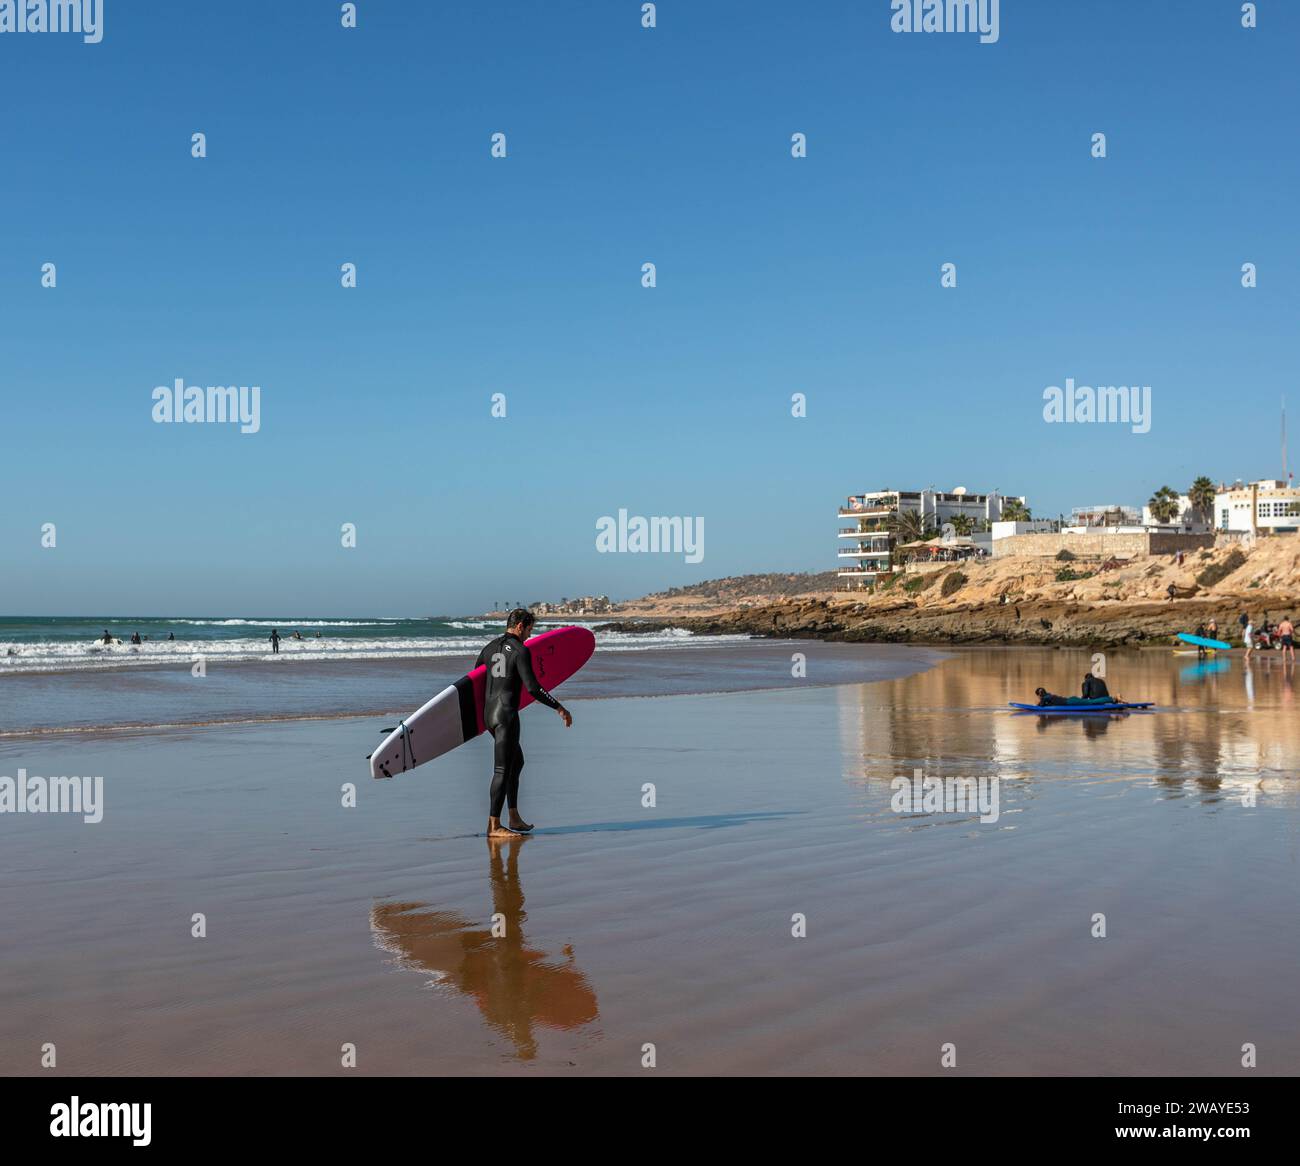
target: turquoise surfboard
<point>1203,642</point>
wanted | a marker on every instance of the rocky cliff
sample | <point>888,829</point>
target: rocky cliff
<point>1019,600</point>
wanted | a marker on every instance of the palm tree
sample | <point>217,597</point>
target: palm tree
<point>1164,504</point>
<point>1013,510</point>
<point>908,526</point>
<point>963,524</point>
<point>1202,493</point>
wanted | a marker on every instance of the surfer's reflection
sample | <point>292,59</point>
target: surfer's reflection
<point>515,986</point>
<point>1092,725</point>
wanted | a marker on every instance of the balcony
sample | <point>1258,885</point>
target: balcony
<point>866,512</point>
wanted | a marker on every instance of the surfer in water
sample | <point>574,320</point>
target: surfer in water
<point>1094,687</point>
<point>1100,695</point>
<point>509,672</point>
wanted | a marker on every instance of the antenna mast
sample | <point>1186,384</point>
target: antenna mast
<point>1286,477</point>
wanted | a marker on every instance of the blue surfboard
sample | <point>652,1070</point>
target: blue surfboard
<point>1113,707</point>
<point>1203,642</point>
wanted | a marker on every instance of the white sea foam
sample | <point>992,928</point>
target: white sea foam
<point>290,622</point>
<point>79,656</point>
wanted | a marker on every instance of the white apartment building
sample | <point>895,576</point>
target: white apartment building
<point>866,548</point>
<point>1268,506</point>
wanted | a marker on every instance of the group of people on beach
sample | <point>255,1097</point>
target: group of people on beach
<point>136,637</point>
<point>275,639</point>
<point>1279,635</point>
<point>1268,635</point>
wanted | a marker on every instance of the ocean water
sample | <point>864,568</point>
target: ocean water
<point>70,643</point>
<point>54,678</point>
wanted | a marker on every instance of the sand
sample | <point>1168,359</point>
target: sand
<point>671,925</point>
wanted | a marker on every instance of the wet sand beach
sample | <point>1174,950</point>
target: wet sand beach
<point>671,925</point>
<point>283,688</point>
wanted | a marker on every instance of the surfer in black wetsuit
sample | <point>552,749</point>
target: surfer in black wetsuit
<point>509,672</point>
<point>1094,687</point>
<point>1094,693</point>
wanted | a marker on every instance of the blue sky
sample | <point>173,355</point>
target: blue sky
<point>522,276</point>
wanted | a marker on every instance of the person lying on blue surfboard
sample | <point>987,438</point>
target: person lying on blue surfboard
<point>1050,699</point>
<point>1094,692</point>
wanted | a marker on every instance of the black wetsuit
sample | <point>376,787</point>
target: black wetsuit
<point>509,672</point>
<point>1094,686</point>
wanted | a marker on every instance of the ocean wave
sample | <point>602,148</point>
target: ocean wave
<point>282,623</point>
<point>50,656</point>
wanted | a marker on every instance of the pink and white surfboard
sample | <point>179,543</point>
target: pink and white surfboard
<point>455,715</point>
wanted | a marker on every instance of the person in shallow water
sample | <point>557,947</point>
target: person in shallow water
<point>1094,687</point>
<point>1286,637</point>
<point>274,637</point>
<point>1046,698</point>
<point>509,671</point>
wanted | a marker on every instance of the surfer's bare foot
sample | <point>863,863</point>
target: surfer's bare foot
<point>496,830</point>
<point>517,823</point>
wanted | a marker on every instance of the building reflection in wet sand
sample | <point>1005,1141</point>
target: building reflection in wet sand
<point>1222,728</point>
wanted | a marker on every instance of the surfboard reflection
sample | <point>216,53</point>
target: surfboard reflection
<point>516,987</point>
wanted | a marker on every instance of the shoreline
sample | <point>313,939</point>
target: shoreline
<point>943,652</point>
<point>246,693</point>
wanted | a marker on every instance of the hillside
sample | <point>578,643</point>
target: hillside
<point>772,585</point>
<point>1023,600</point>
